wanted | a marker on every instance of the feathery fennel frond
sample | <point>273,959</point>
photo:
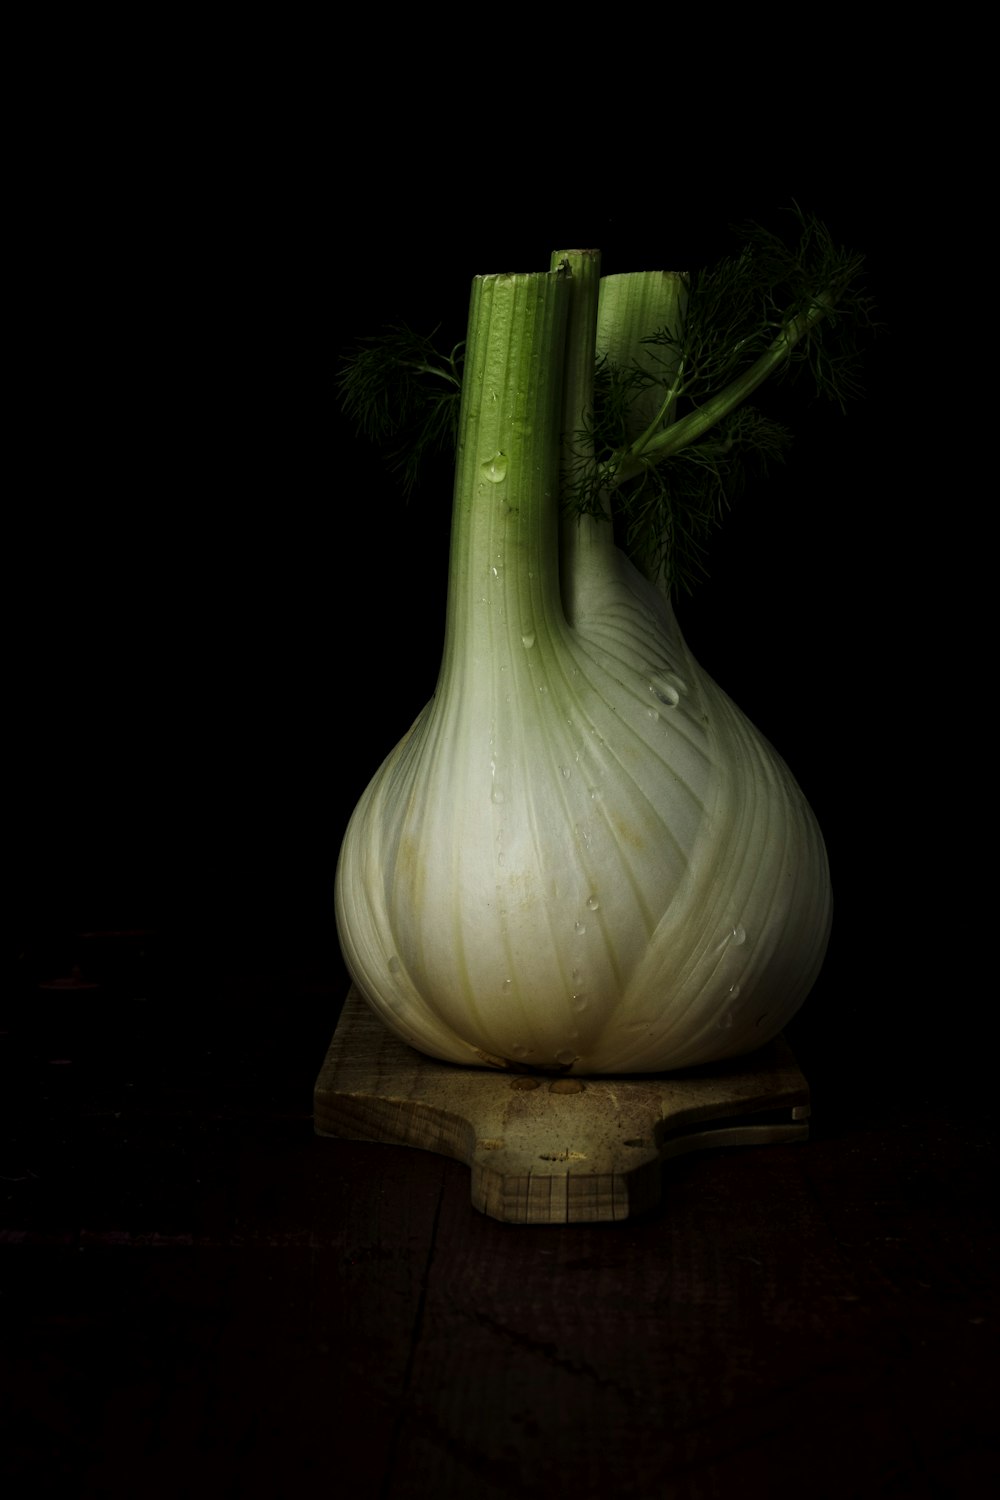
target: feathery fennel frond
<point>672,439</point>
<point>403,395</point>
<point>774,309</point>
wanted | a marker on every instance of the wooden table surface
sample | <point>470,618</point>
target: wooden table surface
<point>202,1297</point>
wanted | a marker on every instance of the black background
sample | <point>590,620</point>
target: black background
<point>225,617</point>
<point>221,619</point>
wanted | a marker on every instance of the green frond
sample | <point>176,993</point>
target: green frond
<point>672,438</point>
<point>403,394</point>
<point>670,512</point>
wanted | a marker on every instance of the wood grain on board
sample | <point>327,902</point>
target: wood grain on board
<point>551,1150</point>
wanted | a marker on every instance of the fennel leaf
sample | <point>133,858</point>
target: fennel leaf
<point>403,395</point>
<point>774,310</point>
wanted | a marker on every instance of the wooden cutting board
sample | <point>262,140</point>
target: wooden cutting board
<point>547,1150</point>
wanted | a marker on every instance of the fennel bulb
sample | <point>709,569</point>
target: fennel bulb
<point>582,857</point>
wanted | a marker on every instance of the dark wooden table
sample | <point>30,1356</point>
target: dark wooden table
<point>201,1297</point>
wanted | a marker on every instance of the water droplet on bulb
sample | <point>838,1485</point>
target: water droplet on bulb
<point>738,935</point>
<point>528,639</point>
<point>668,688</point>
<point>566,1056</point>
<point>497,794</point>
<point>593,903</point>
<point>579,929</point>
<point>665,692</point>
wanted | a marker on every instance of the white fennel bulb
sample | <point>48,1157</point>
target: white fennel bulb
<point>582,857</point>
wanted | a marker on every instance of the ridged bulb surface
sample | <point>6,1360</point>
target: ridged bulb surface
<point>583,857</point>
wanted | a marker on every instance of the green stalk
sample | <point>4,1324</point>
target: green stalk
<point>586,541</point>
<point>504,566</point>
<point>634,306</point>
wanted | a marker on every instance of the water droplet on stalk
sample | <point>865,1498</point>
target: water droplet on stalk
<point>494,469</point>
